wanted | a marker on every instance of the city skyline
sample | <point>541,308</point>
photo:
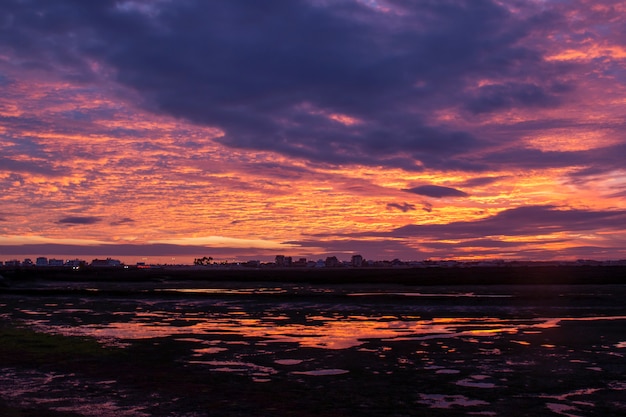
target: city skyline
<point>289,262</point>
<point>238,130</point>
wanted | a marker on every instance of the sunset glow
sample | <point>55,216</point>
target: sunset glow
<point>241,130</point>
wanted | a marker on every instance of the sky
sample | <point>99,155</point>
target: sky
<point>425,129</point>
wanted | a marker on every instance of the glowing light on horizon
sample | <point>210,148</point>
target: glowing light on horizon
<point>37,240</point>
<point>225,241</point>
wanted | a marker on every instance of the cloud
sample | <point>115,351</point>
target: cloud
<point>217,241</point>
<point>268,74</point>
<point>481,181</point>
<point>522,221</point>
<point>80,220</point>
<point>436,191</point>
<point>618,194</point>
<point>375,249</point>
<point>130,250</point>
<point>531,232</point>
<point>474,244</point>
<point>313,111</point>
<point>8,241</point>
<point>125,220</point>
<point>404,207</point>
<point>33,167</point>
<point>510,95</point>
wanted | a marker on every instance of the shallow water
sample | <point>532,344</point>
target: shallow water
<point>486,350</point>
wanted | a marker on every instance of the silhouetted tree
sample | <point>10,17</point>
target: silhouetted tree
<point>203,261</point>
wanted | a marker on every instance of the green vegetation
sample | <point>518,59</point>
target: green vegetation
<point>20,345</point>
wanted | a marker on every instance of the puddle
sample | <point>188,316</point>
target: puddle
<point>448,401</point>
<point>288,362</point>
<point>208,351</point>
<point>564,410</point>
<point>448,371</point>
<point>226,291</point>
<point>475,381</point>
<point>236,367</point>
<point>66,393</point>
<point>577,393</point>
<point>433,295</point>
<point>322,372</point>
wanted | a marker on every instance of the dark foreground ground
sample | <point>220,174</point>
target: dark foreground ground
<point>151,380</point>
<point>487,275</point>
<point>503,358</point>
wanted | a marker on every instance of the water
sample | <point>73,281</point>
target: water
<point>556,350</point>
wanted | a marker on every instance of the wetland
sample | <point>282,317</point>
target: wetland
<point>176,347</point>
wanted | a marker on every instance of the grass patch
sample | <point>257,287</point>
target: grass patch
<point>19,345</point>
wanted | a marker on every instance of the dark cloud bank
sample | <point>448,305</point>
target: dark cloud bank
<point>523,221</point>
<point>437,191</point>
<point>77,220</point>
<point>270,73</point>
<point>481,236</point>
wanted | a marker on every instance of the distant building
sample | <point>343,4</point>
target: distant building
<point>331,262</point>
<point>41,261</point>
<point>55,262</point>
<point>357,261</point>
<point>299,263</point>
<point>282,260</point>
<point>106,263</point>
<point>75,263</point>
<point>252,264</point>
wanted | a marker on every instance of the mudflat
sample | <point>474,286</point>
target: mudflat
<point>184,345</point>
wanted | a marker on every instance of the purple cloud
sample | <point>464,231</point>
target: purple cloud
<point>436,191</point>
<point>269,74</point>
<point>32,166</point>
<point>481,181</point>
<point>404,207</point>
<point>80,220</point>
<point>522,221</point>
<point>125,220</point>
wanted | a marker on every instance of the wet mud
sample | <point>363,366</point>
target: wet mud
<point>192,348</point>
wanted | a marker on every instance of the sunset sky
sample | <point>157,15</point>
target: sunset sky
<point>434,129</point>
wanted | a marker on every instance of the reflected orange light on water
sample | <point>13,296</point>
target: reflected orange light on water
<point>318,331</point>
